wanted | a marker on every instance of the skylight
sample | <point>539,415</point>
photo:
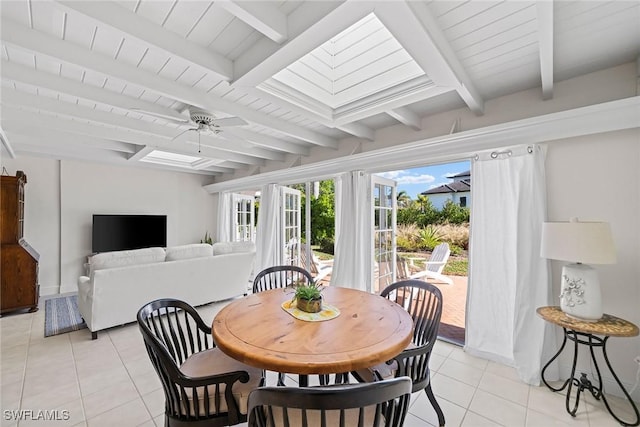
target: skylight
<point>362,60</point>
<point>171,159</point>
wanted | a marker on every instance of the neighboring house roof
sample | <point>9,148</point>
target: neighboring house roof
<point>452,187</point>
<point>461,174</point>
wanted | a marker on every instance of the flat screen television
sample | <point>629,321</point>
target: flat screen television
<point>122,232</point>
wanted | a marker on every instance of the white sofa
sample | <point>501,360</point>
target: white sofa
<point>121,282</point>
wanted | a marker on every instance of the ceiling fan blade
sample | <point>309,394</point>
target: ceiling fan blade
<point>182,133</point>
<point>162,116</point>
<point>229,121</point>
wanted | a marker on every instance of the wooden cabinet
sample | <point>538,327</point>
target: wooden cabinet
<point>19,261</point>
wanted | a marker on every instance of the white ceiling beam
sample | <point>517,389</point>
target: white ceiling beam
<point>34,102</point>
<point>141,153</point>
<point>29,76</point>
<point>111,14</point>
<point>41,103</point>
<point>417,30</point>
<point>395,97</point>
<point>406,117</point>
<point>359,130</point>
<point>53,138</point>
<point>206,164</point>
<point>6,144</point>
<point>223,139</point>
<point>31,148</point>
<point>36,41</point>
<point>310,25</point>
<point>10,117</point>
<point>212,166</point>
<point>406,93</point>
<point>56,149</point>
<point>268,141</point>
<point>263,16</point>
<point>545,42</point>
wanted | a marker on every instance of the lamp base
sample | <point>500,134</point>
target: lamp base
<point>580,295</point>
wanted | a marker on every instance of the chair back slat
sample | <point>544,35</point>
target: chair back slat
<point>380,404</point>
<point>439,254</point>
<point>280,276</point>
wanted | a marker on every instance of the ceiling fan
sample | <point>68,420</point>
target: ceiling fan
<point>201,120</point>
<point>206,122</point>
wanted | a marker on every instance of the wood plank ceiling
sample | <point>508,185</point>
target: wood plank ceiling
<point>115,81</point>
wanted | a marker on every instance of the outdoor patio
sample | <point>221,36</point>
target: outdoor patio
<point>453,313</point>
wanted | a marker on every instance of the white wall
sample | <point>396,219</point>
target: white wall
<point>42,215</point>
<point>438,200</point>
<point>597,178</point>
<point>62,196</point>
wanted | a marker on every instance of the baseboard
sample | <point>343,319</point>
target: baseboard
<point>49,290</point>
<point>68,289</point>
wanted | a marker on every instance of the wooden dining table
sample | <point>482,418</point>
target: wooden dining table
<point>369,330</point>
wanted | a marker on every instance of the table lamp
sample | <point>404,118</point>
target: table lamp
<point>581,243</point>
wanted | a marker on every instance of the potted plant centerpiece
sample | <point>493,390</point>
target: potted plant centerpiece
<point>308,297</point>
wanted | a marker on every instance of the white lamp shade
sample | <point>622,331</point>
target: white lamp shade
<point>582,242</point>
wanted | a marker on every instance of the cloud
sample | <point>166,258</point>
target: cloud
<point>392,174</point>
<point>403,177</point>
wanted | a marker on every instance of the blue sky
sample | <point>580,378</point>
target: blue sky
<point>416,180</point>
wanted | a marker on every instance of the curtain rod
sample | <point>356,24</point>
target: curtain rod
<point>508,153</point>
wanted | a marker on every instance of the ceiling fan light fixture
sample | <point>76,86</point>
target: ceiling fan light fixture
<point>201,117</point>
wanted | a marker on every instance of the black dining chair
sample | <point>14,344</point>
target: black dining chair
<point>280,276</point>
<point>202,385</point>
<point>380,404</point>
<point>423,301</point>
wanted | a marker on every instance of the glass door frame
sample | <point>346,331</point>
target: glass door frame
<point>290,224</point>
<point>243,222</point>
<point>390,206</point>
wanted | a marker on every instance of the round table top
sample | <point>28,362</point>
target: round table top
<point>257,331</point>
<point>609,325</point>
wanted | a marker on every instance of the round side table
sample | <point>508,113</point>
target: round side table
<point>582,332</point>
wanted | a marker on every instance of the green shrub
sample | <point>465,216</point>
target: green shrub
<point>453,213</point>
<point>407,237</point>
<point>455,249</point>
<point>428,238</point>
<point>327,245</point>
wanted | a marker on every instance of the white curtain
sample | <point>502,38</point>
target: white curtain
<point>352,265</point>
<point>508,278</point>
<point>224,217</point>
<point>268,236</point>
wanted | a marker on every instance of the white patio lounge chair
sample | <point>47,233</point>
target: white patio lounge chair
<point>319,269</point>
<point>435,265</point>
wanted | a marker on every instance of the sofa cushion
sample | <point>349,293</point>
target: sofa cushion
<point>243,247</point>
<point>195,250</point>
<point>221,248</point>
<point>125,258</point>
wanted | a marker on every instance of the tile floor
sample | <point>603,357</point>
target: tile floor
<point>111,382</point>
